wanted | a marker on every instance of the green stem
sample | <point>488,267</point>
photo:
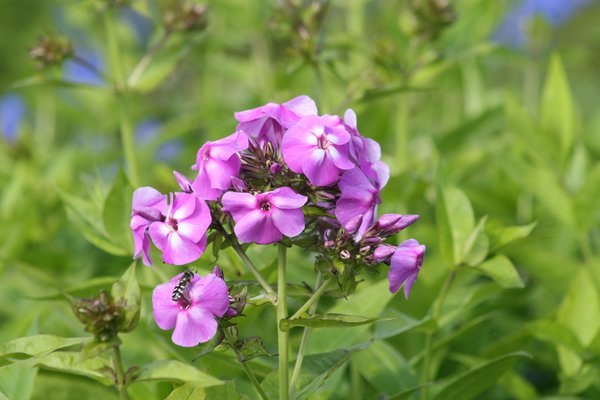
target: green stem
<point>312,300</point>
<point>282,337</point>
<point>245,366</point>
<point>141,66</point>
<point>437,309</point>
<point>242,254</point>
<point>303,344</point>
<point>125,124</point>
<point>121,387</point>
<point>355,381</point>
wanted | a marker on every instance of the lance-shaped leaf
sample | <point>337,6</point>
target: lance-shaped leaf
<point>126,294</point>
<point>477,245</point>
<point>250,348</point>
<point>34,346</point>
<point>470,384</point>
<point>501,237</point>
<point>502,271</point>
<point>193,392</point>
<point>98,368</point>
<point>117,211</point>
<point>328,321</point>
<point>174,371</point>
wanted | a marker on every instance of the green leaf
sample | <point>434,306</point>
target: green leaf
<point>384,368</point>
<point>401,323</point>
<point>193,392</point>
<point>117,211</point>
<point>86,217</point>
<point>175,371</point>
<point>502,271</point>
<point>250,348</point>
<point>327,321</point>
<point>558,114</point>
<point>579,311</point>
<point>71,362</point>
<point>472,383</point>
<point>501,237</point>
<point>455,223</point>
<point>126,293</point>
<point>476,248</point>
<point>316,369</point>
<point>35,346</point>
<point>555,333</point>
<point>88,288</point>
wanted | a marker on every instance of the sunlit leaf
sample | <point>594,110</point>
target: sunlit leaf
<point>35,346</point>
<point>97,368</point>
<point>502,271</point>
<point>126,293</point>
<point>175,371</point>
<point>327,321</point>
<point>192,392</point>
<point>117,211</point>
<point>501,237</point>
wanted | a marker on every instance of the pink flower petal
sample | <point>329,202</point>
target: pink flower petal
<point>319,168</point>
<point>350,118</point>
<point>159,232</point>
<point>194,326</point>
<point>220,172</point>
<point>256,227</point>
<point>149,197</point>
<point>285,197</point>
<point>288,222</point>
<point>183,205</point>
<point>339,156</point>
<point>238,204</point>
<point>211,294</point>
<point>165,310</point>
<point>225,148</point>
<point>179,251</point>
<point>302,106</point>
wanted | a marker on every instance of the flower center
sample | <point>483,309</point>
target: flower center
<point>172,223</point>
<point>184,303</point>
<point>323,142</point>
<point>206,155</point>
<point>265,206</point>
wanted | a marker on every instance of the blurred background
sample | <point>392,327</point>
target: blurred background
<point>491,106</point>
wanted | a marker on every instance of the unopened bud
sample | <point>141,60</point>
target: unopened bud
<point>345,255</point>
<point>51,50</point>
<point>364,250</point>
<point>383,252</point>
<point>402,223</point>
<point>218,272</point>
<point>238,184</point>
<point>354,225</point>
<point>183,181</point>
<point>329,244</point>
<point>275,168</point>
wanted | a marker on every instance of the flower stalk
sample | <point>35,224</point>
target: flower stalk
<point>120,374</point>
<point>282,336</point>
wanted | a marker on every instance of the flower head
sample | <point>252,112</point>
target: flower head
<point>148,206</point>
<point>193,316</point>
<point>318,148</point>
<point>266,217</point>
<point>405,265</point>
<point>216,163</point>
<point>268,123</point>
<point>182,235</point>
<point>359,197</point>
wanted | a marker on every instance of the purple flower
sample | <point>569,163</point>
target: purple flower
<point>366,153</point>
<point>194,315</point>
<point>405,265</point>
<point>268,123</point>
<point>181,236</point>
<point>216,163</point>
<point>12,113</point>
<point>183,181</point>
<point>390,224</point>
<point>359,197</point>
<point>318,148</point>
<point>148,206</point>
<point>265,218</point>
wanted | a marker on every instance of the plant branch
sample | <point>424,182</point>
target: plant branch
<point>282,337</point>
<point>144,62</point>
<point>312,300</point>
<point>261,280</point>
<point>120,379</point>
<point>303,344</point>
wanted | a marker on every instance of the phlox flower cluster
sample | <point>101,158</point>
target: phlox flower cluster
<point>289,175</point>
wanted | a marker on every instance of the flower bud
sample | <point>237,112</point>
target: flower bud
<point>388,220</point>
<point>275,168</point>
<point>183,181</point>
<point>403,222</point>
<point>51,50</point>
<point>345,255</point>
<point>383,252</point>
<point>364,250</point>
<point>371,240</point>
<point>354,224</point>
<point>238,184</point>
<point>100,315</point>
<point>218,272</point>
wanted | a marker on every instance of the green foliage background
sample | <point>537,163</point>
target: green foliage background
<point>496,149</point>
